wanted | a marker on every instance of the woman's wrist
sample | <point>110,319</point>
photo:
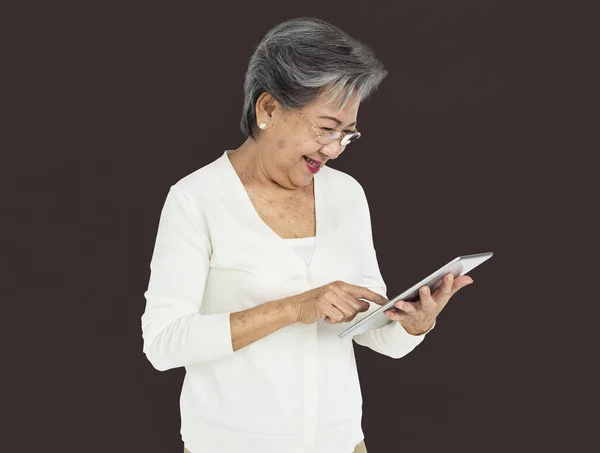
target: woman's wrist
<point>420,331</point>
<point>287,310</point>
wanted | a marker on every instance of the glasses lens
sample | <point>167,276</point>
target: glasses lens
<point>350,138</point>
<point>329,137</point>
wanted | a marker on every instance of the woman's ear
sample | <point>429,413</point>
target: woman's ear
<point>265,106</point>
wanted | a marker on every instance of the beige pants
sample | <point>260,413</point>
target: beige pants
<point>360,448</point>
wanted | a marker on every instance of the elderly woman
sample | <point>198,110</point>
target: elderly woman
<point>264,255</point>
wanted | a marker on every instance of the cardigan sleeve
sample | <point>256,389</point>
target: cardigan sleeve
<point>174,332</point>
<point>391,340</point>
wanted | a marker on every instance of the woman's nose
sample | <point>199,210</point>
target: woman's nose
<point>333,150</point>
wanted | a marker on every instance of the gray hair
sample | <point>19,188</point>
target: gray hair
<point>304,58</point>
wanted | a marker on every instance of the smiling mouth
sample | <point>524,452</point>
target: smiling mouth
<point>314,163</point>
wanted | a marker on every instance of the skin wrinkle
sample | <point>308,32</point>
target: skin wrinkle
<point>273,164</point>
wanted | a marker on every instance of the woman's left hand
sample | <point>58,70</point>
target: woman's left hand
<point>418,317</point>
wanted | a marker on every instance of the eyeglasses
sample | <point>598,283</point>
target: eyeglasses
<point>326,136</point>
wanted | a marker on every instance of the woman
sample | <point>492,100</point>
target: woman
<point>263,256</point>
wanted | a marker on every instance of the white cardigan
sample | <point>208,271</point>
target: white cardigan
<point>297,389</point>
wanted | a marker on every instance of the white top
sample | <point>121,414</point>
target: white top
<point>297,389</point>
<point>304,247</point>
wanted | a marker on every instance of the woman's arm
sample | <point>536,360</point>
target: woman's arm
<point>391,340</point>
<point>250,325</point>
<point>174,332</point>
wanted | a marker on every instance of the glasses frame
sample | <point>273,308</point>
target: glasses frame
<point>342,135</point>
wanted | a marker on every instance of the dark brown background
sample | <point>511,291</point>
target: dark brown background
<point>481,134</point>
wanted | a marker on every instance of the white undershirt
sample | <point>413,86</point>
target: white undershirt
<point>304,247</point>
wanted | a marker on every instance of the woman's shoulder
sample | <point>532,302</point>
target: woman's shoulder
<point>203,179</point>
<point>341,181</point>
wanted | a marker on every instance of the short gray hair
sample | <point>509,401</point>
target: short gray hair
<point>303,58</point>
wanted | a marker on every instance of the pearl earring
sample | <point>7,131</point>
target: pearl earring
<point>262,125</point>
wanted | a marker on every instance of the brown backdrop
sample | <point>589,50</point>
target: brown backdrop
<point>479,140</point>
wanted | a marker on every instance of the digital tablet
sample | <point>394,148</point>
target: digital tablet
<point>458,266</point>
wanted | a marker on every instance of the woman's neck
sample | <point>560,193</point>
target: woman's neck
<point>248,163</point>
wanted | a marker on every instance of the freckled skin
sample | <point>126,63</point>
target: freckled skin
<point>272,161</point>
<point>271,165</point>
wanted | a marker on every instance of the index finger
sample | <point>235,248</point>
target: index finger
<point>360,292</point>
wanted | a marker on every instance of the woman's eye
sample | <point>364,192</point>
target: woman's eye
<point>329,129</point>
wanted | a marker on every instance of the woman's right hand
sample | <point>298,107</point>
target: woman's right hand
<point>336,302</point>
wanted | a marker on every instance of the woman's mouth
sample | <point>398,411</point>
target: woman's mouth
<point>312,165</point>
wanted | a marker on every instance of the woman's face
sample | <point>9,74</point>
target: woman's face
<point>288,139</point>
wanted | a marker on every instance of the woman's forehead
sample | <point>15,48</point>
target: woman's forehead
<point>329,110</point>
